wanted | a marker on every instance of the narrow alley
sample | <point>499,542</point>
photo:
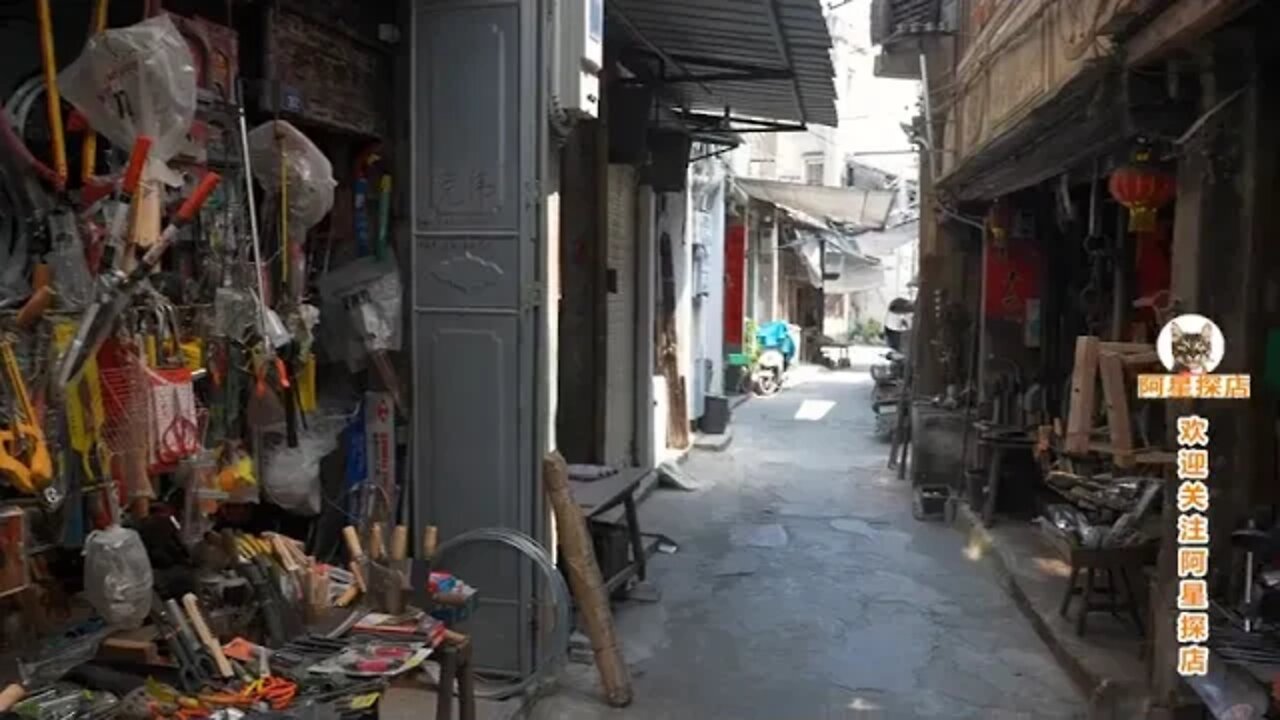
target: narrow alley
<point>803,587</point>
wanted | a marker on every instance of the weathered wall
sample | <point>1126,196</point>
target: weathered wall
<point>579,260</point>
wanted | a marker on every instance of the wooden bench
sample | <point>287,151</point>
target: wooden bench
<point>598,497</point>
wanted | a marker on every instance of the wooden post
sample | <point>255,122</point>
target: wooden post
<point>1084,377</point>
<point>586,581</point>
<point>1115,394</point>
<point>669,351</point>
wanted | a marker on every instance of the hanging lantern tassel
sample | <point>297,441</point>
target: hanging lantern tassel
<point>1143,190</point>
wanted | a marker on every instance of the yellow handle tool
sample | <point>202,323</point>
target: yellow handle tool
<point>53,98</point>
<point>24,444</point>
<point>89,150</point>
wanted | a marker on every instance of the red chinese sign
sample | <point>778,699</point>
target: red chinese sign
<point>1013,278</point>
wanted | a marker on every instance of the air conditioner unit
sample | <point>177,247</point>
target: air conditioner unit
<point>579,57</point>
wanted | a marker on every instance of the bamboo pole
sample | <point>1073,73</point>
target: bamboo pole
<point>586,582</point>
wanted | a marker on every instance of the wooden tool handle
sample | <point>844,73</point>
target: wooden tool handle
<point>400,543</point>
<point>430,538</point>
<point>206,636</point>
<point>358,573</point>
<point>353,543</point>
<point>40,301</point>
<point>377,548</point>
<point>347,597</point>
<point>11,696</point>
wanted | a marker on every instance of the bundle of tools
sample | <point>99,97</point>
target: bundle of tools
<point>199,664</point>
<point>144,352</point>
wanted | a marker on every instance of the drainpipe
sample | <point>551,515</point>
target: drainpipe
<point>928,117</point>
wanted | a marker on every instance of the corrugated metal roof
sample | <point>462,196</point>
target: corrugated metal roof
<point>772,35</point>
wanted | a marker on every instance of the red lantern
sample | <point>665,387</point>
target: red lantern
<point>1143,188</point>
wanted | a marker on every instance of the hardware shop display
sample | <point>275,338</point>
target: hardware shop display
<point>178,297</point>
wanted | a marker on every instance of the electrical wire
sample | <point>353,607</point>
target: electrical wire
<point>557,648</point>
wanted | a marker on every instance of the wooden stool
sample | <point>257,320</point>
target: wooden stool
<point>1123,564</point>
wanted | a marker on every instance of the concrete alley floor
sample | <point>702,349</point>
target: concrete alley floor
<point>804,589</point>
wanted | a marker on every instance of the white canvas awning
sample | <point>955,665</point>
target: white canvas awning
<point>881,243</point>
<point>857,208</point>
<point>853,271</point>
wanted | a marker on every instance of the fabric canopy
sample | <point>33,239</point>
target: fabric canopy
<point>818,206</point>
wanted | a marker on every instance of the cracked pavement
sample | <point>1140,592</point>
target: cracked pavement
<point>803,588</point>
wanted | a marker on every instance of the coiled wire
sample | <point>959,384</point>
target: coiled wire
<point>556,651</point>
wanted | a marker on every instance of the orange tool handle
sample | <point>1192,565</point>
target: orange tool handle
<point>192,204</point>
<point>40,301</point>
<point>137,161</point>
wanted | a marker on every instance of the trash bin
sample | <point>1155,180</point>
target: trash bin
<point>715,415</point>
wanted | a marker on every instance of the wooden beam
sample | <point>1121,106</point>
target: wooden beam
<point>1141,359</point>
<point>1111,368</point>
<point>1180,24</point>
<point>1126,347</point>
<point>1125,13</point>
<point>1084,376</point>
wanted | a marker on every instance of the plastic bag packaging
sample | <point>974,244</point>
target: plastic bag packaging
<point>291,476</point>
<point>309,174</point>
<point>67,262</point>
<point>367,295</point>
<point>202,496</point>
<point>117,576</point>
<point>137,80</point>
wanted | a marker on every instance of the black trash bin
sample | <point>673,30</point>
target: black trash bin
<point>715,415</point>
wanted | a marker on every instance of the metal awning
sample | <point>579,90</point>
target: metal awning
<point>740,60</point>
<point>857,208</point>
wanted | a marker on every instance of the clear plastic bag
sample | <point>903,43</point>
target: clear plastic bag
<point>309,173</point>
<point>291,476</point>
<point>117,576</point>
<point>137,80</point>
<point>67,261</point>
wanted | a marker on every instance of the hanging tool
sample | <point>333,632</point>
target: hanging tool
<point>116,255</point>
<point>117,291</point>
<point>53,98</point>
<point>24,453</point>
<point>364,162</point>
<point>253,212</point>
<point>384,216</point>
<point>285,250</point>
<point>89,150</point>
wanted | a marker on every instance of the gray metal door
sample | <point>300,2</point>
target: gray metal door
<point>477,155</point>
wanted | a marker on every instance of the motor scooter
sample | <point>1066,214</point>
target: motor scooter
<point>777,354</point>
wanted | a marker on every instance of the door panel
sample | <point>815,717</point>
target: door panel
<point>475,208</point>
